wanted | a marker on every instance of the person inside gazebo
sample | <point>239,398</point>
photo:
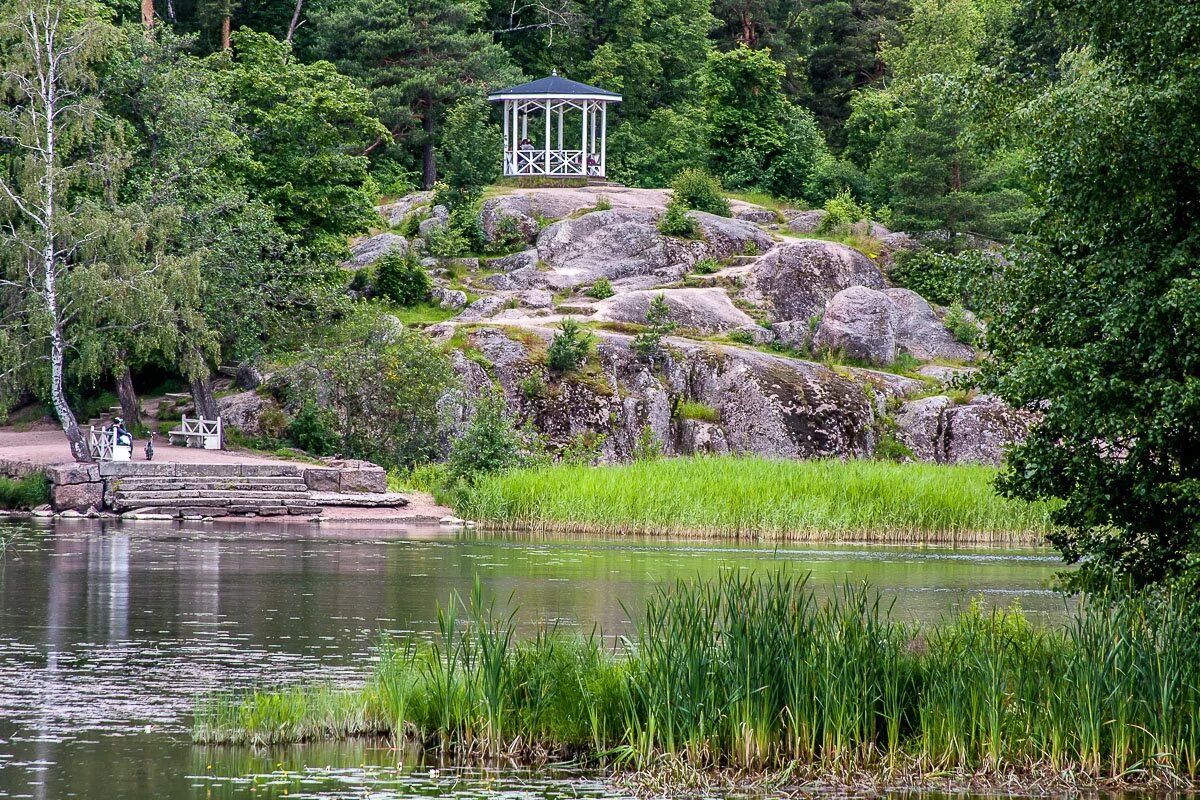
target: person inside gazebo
<point>565,144</point>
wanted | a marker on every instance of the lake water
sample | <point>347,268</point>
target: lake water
<point>109,631</point>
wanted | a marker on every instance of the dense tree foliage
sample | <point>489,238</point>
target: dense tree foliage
<point>1101,328</point>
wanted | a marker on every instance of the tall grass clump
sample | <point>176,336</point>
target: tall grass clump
<point>752,673</point>
<point>24,493</point>
<point>736,496</point>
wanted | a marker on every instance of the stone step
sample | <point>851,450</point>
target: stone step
<point>216,502</point>
<point>203,484</point>
<point>210,511</point>
<point>149,498</point>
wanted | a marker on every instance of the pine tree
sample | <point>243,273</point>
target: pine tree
<point>417,58</point>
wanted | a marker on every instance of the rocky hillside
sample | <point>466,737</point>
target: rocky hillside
<point>754,296</point>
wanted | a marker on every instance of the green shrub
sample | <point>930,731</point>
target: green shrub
<point>741,337</point>
<point>569,348</point>
<point>706,266</point>
<point>601,289</point>
<point>491,442</point>
<point>531,386</point>
<point>25,493</point>
<point>401,279</point>
<point>410,227</point>
<point>314,429</point>
<point>689,409</point>
<point>648,343</point>
<point>676,222</point>
<point>970,278</point>
<point>961,325</point>
<point>695,188</point>
<point>584,449</point>
<point>842,211</point>
<point>831,177</point>
<point>360,281</point>
<point>603,203</point>
<point>750,248</point>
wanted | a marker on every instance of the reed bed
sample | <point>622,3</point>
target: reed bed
<point>752,675</point>
<point>744,496</point>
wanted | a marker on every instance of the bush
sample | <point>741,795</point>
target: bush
<point>24,493</point>
<point>741,337</point>
<point>402,279</point>
<point>314,429</point>
<point>831,177</point>
<point>970,278</point>
<point>410,227</point>
<point>470,142</point>
<point>961,325</point>
<point>695,188</point>
<point>648,446</point>
<point>601,289</point>
<point>648,343</point>
<point>842,212</point>
<point>490,444</point>
<point>603,203</point>
<point>676,222</point>
<point>569,348</point>
<point>706,266</point>
<point>379,386</point>
<point>792,167</point>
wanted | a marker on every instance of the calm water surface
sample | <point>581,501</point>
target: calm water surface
<point>108,633</point>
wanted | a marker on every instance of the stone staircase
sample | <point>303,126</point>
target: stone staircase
<point>208,490</point>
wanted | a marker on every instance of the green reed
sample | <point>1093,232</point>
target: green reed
<point>739,496</point>
<point>753,673</point>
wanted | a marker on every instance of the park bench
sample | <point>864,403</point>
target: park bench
<point>104,445</point>
<point>199,432</point>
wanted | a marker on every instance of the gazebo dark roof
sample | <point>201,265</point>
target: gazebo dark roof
<point>554,86</point>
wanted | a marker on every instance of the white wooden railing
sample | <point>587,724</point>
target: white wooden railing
<point>199,432</point>
<point>550,162</point>
<point>104,445</point>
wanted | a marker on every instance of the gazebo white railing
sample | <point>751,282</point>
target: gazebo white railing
<point>555,100</point>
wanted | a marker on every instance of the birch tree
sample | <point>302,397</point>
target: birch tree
<point>48,49</point>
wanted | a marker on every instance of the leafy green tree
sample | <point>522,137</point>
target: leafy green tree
<point>695,188</point>
<point>745,110</point>
<point>650,152</point>
<point>569,348</point>
<point>1100,328</point>
<point>379,384</point>
<point>417,58</point>
<point>307,128</point>
<point>472,143</point>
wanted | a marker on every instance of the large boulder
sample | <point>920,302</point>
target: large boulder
<point>705,311</point>
<point>858,324</point>
<point>877,326</point>
<point>608,244</point>
<point>729,237</point>
<point>796,279</point>
<point>979,432</point>
<point>509,218</point>
<point>366,252</point>
<point>805,221</point>
<point>920,331</point>
<point>438,219</point>
<point>244,411</point>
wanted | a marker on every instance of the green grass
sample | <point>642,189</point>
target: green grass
<point>735,496</point>
<point>24,493</point>
<point>422,314</point>
<point>752,673</point>
<point>760,198</point>
<point>689,409</point>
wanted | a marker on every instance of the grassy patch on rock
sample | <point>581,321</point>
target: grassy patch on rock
<point>752,496</point>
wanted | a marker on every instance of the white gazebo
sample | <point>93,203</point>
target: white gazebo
<point>551,150</point>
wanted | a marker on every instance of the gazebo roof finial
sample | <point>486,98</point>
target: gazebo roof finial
<point>554,72</point>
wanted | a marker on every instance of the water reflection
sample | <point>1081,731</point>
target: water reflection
<point>107,633</point>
